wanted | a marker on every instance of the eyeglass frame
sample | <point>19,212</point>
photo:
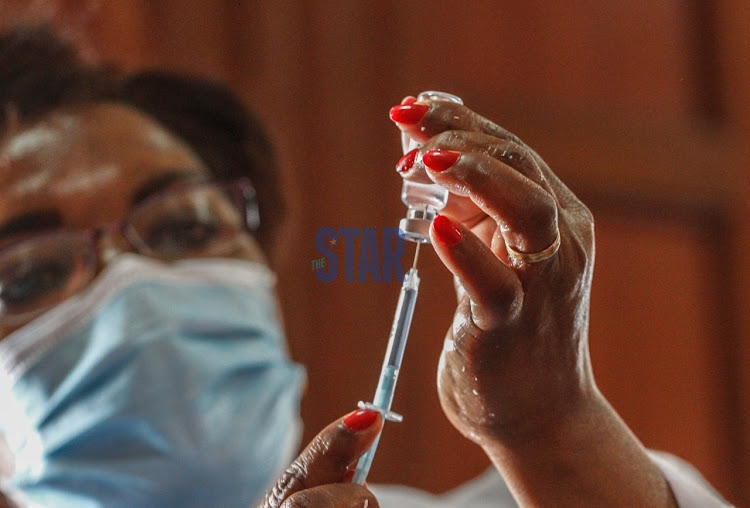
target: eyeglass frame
<point>240,192</point>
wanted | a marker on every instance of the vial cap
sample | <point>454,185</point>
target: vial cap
<point>408,144</point>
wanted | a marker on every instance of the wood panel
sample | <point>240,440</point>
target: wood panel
<point>648,337</point>
<point>733,26</point>
<point>618,55</point>
<point>122,33</point>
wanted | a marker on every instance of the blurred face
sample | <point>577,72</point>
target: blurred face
<point>91,167</point>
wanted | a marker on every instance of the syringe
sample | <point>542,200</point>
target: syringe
<point>391,364</point>
<point>423,201</point>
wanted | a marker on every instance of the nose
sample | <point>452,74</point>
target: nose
<point>111,244</point>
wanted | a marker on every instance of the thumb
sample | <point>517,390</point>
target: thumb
<point>329,455</point>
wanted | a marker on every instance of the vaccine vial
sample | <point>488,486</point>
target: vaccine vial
<point>423,200</point>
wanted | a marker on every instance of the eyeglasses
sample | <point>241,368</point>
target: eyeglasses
<point>192,220</point>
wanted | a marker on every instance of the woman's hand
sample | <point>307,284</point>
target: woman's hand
<point>4,502</point>
<point>320,477</point>
<point>515,374</point>
<point>516,358</point>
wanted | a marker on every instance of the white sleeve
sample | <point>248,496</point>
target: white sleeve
<point>399,496</point>
<point>689,487</point>
<point>488,490</point>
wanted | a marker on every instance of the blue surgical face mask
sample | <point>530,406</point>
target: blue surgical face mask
<point>159,386</point>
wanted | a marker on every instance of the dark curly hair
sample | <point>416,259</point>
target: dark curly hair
<point>40,71</point>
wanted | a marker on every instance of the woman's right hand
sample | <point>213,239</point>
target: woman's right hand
<point>515,374</point>
<point>4,503</point>
<point>320,477</point>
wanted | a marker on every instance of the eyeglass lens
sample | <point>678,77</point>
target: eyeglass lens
<point>197,221</point>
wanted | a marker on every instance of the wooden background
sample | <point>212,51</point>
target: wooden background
<point>642,106</point>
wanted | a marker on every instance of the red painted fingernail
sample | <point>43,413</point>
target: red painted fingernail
<point>361,419</point>
<point>409,99</point>
<point>348,476</point>
<point>446,231</point>
<point>407,161</point>
<point>440,160</point>
<point>409,114</point>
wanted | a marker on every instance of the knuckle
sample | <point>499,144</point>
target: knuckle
<point>581,254</point>
<point>541,214</point>
<point>580,250</point>
<point>581,223</point>
<point>484,167</point>
<point>499,131</point>
<point>467,326</point>
<point>503,302</point>
<point>548,207</point>
<point>292,480</point>
<point>321,444</point>
<point>447,139</point>
<point>509,153</point>
<point>587,217</point>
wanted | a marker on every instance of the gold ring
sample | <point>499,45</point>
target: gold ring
<point>535,257</point>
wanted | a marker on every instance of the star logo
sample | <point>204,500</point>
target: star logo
<point>333,241</point>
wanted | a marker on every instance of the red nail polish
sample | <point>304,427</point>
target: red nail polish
<point>409,114</point>
<point>409,99</point>
<point>407,161</point>
<point>361,419</point>
<point>446,230</point>
<point>440,160</point>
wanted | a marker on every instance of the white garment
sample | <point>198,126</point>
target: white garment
<point>488,490</point>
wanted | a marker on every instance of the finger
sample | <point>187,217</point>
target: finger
<point>333,496</point>
<point>512,154</point>
<point>494,289</point>
<point>328,456</point>
<point>425,119</point>
<point>525,212</point>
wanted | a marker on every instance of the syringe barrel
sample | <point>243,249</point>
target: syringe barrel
<point>386,389</point>
<point>394,354</point>
<point>407,299</point>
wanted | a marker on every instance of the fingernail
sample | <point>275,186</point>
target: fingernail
<point>409,114</point>
<point>407,161</point>
<point>440,160</point>
<point>446,231</point>
<point>409,99</point>
<point>361,419</point>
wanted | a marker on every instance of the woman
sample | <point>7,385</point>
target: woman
<point>143,364</point>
